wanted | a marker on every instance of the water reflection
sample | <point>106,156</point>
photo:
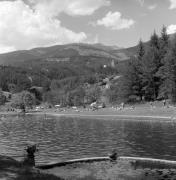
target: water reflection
<point>62,138</point>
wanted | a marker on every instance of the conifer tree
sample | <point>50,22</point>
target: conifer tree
<point>155,48</point>
<point>141,50</point>
<point>138,68</point>
<point>169,85</point>
<point>164,43</point>
<point>133,76</point>
<point>150,67</point>
<point>164,47</point>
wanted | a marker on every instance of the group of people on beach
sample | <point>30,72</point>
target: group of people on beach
<point>164,103</point>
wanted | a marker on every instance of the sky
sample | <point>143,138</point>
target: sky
<point>26,24</point>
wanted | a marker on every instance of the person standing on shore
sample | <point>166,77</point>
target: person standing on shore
<point>164,103</point>
<point>151,104</point>
<point>122,105</point>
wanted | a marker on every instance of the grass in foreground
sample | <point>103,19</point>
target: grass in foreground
<point>121,170</point>
<point>14,170</point>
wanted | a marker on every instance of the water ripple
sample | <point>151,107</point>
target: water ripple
<point>61,138</point>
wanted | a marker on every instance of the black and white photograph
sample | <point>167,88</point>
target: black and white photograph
<point>87,89</point>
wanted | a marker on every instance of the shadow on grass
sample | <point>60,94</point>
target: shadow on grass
<point>121,170</point>
<point>27,174</point>
<point>12,169</point>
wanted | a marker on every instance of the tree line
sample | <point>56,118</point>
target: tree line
<point>148,76</point>
<point>72,83</point>
<point>151,74</point>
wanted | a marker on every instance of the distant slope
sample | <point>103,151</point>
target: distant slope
<point>63,53</point>
<point>132,51</point>
<point>127,52</point>
<point>71,51</point>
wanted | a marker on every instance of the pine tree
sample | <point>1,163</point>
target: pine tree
<point>138,69</point>
<point>134,77</point>
<point>169,84</point>
<point>141,50</point>
<point>149,70</point>
<point>164,47</point>
<point>150,66</point>
<point>132,87</point>
<point>155,48</point>
<point>164,43</point>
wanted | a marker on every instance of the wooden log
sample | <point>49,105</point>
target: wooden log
<point>64,163</point>
<point>135,161</point>
<point>139,162</point>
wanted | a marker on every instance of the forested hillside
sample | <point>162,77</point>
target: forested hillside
<point>62,53</point>
<point>66,82</point>
<point>79,74</point>
<point>151,75</point>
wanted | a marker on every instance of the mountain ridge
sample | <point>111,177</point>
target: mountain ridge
<point>59,52</point>
<point>70,51</point>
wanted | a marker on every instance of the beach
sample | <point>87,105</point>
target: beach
<point>137,112</point>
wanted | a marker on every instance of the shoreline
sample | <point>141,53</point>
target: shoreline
<point>101,116</point>
<point>140,112</point>
<point>98,115</point>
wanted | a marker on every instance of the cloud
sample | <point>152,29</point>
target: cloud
<point>171,29</point>
<point>141,2</point>
<point>93,39</point>
<point>115,21</point>
<point>96,39</point>
<point>152,7</point>
<point>70,7</point>
<point>4,48</point>
<point>33,23</point>
<point>172,4</point>
<point>82,7</point>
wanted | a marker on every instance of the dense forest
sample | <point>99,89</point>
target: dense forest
<point>151,75</point>
<point>147,76</point>
<point>76,82</point>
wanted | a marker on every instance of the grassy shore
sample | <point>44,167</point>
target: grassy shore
<point>11,169</point>
<point>137,112</point>
<point>121,170</point>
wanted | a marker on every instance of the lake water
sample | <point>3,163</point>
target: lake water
<point>61,138</point>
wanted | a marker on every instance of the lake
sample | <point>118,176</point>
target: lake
<point>61,138</point>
